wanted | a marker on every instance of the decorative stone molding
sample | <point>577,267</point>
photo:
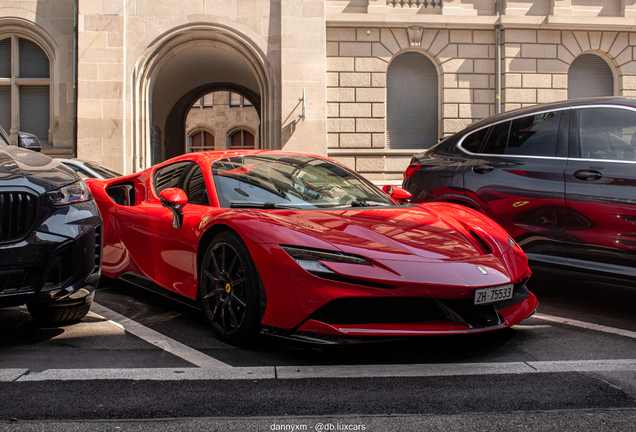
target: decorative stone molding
<point>414,3</point>
<point>415,36</point>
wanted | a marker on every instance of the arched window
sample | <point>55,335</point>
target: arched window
<point>200,140</point>
<point>242,139</point>
<point>412,102</point>
<point>24,87</point>
<point>589,76</point>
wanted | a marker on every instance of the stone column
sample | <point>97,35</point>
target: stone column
<point>100,135</point>
<point>561,7</point>
<point>303,65</point>
<point>451,7</point>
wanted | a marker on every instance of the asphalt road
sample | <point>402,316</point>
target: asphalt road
<point>575,373</point>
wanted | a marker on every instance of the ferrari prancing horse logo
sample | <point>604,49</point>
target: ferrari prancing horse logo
<point>203,222</point>
<point>482,270</point>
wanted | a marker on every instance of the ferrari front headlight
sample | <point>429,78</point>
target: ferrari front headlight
<point>512,242</point>
<point>309,259</point>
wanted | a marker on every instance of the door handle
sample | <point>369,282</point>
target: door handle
<point>483,169</point>
<point>588,175</point>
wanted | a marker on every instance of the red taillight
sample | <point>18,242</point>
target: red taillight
<point>411,170</point>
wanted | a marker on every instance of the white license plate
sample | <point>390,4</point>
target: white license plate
<point>494,294</point>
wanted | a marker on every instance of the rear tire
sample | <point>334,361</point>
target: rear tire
<point>48,315</point>
<point>229,289</point>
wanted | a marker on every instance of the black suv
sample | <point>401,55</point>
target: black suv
<point>560,178</point>
<point>50,234</point>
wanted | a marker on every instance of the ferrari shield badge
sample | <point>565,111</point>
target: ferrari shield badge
<point>482,270</point>
<point>203,222</point>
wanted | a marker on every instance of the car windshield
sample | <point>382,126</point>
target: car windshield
<point>291,181</point>
<point>103,171</point>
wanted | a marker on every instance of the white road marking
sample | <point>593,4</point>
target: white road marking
<point>531,327</point>
<point>153,374</point>
<point>408,370</point>
<point>157,339</point>
<point>8,375</point>
<point>586,325</point>
<point>342,371</point>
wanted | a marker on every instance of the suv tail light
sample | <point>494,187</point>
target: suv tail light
<point>411,170</point>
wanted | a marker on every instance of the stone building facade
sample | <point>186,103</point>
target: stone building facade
<point>141,64</point>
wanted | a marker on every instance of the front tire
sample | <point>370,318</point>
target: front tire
<point>229,289</point>
<point>50,315</point>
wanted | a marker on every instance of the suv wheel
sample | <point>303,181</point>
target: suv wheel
<point>46,314</point>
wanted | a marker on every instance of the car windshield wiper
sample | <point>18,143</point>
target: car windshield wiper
<point>364,203</point>
<point>266,205</point>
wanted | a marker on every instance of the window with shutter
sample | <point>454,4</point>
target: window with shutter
<point>34,111</point>
<point>589,76</point>
<point>33,61</point>
<point>201,141</point>
<point>236,140</point>
<point>412,102</point>
<point>197,139</point>
<point>242,140</point>
<point>235,100</point>
<point>27,89</point>
<point>5,108</point>
<point>5,58</point>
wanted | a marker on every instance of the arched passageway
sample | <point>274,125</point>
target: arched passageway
<point>183,66</point>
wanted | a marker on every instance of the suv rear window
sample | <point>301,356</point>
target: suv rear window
<point>472,142</point>
<point>533,135</point>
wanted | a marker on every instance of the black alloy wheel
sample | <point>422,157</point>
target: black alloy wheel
<point>229,289</point>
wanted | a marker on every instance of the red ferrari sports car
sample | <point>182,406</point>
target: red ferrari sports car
<point>300,246</point>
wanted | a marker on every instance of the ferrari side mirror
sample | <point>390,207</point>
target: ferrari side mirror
<point>397,193</point>
<point>174,199</point>
<point>29,141</point>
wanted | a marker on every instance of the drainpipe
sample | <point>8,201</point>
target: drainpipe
<point>497,59</point>
<point>75,57</point>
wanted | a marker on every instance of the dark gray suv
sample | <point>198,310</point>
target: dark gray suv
<point>560,178</point>
<point>50,234</point>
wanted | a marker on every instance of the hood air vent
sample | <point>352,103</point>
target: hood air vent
<point>484,246</point>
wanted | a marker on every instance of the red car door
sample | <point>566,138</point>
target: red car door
<point>167,255</point>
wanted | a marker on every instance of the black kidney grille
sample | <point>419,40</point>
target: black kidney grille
<point>18,211</point>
